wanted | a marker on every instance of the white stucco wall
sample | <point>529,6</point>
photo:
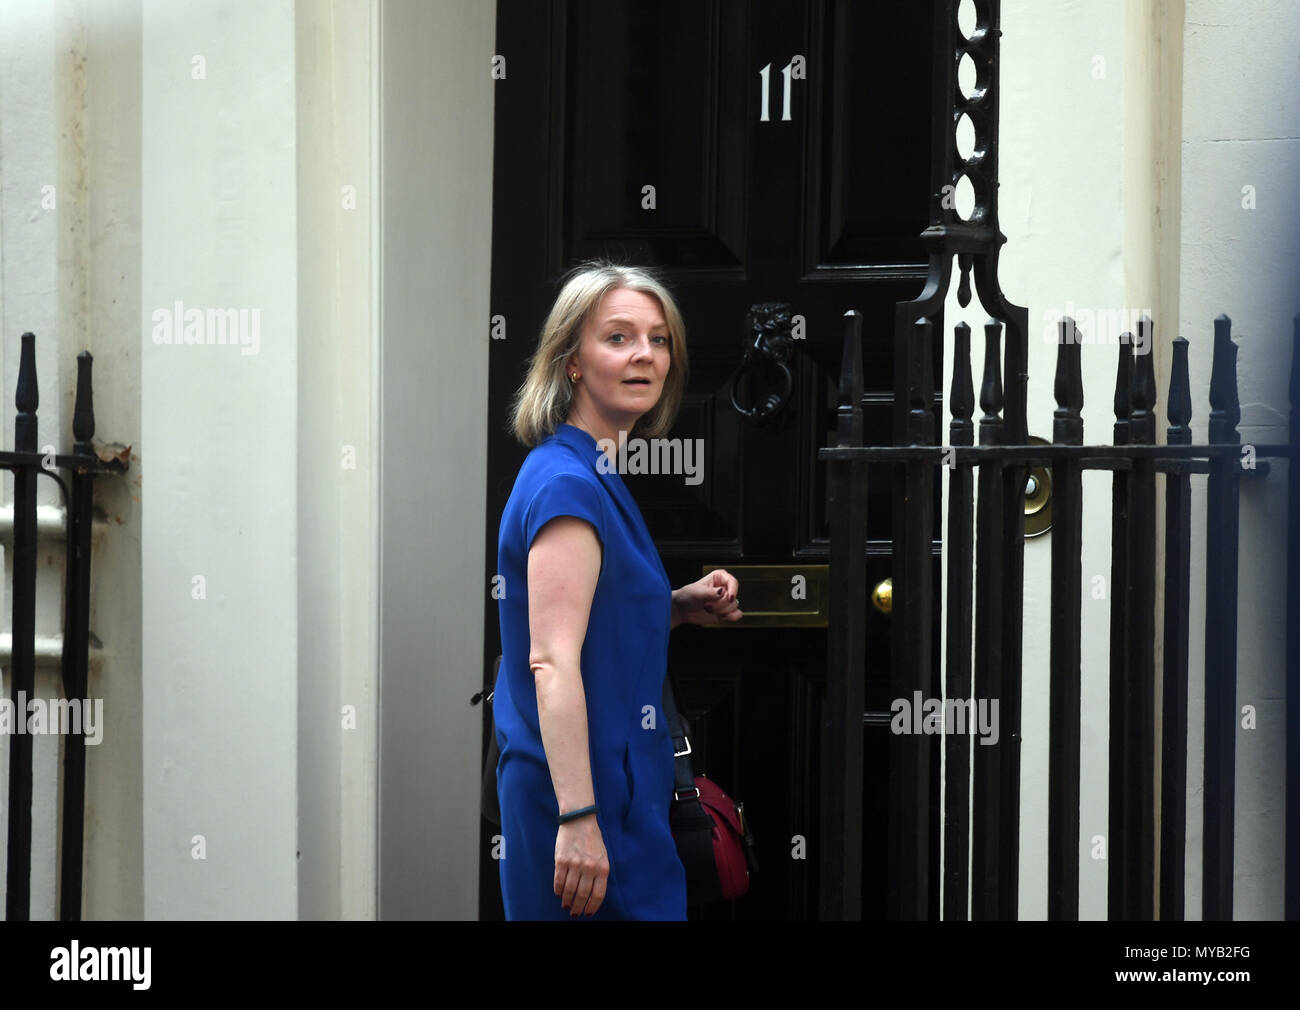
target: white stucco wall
<point>1241,116</point>
<point>111,330</point>
<point>220,437</point>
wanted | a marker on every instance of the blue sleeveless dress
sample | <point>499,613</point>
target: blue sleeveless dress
<point>624,662</point>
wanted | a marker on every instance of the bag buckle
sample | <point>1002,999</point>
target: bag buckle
<point>683,753</point>
<point>677,793</point>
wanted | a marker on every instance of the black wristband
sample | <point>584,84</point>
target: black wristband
<point>573,815</point>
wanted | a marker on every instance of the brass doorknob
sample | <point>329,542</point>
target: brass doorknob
<point>882,597</point>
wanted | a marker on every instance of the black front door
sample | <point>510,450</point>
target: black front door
<point>757,153</point>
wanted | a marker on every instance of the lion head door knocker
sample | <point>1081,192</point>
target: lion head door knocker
<point>765,368</point>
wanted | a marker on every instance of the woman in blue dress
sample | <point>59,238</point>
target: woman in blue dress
<point>585,778</point>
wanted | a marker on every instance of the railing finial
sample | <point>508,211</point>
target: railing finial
<point>1225,409</point>
<point>1143,393</point>
<point>83,410</point>
<point>1067,427</point>
<point>27,397</point>
<point>1180,397</point>
<point>1124,381</point>
<point>991,387</point>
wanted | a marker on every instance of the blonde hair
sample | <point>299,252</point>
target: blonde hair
<point>544,400</point>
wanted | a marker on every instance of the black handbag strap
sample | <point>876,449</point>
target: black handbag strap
<point>692,823</point>
<point>683,773</point>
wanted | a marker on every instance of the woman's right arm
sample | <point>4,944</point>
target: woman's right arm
<point>563,568</point>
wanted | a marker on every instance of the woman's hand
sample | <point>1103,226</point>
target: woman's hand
<point>581,866</point>
<point>710,600</point>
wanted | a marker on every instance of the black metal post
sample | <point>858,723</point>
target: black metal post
<point>982,170</point>
<point>989,557</point>
<point>961,559</point>
<point>23,674</point>
<point>1064,693</point>
<point>1221,532</point>
<point>1140,840</point>
<point>841,773</point>
<point>1178,571</point>
<point>911,671</point>
<point>1118,867</point>
<point>76,644</point>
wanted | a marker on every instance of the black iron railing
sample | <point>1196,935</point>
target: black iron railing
<point>1136,868</point>
<point>986,527</point>
<point>81,467</point>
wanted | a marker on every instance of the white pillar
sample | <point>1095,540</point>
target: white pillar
<point>219,443</point>
<point>437,95</point>
<point>338,463</point>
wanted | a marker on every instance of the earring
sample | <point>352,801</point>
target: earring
<point>573,376</point>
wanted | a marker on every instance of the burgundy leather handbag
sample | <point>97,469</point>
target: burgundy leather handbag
<point>713,838</point>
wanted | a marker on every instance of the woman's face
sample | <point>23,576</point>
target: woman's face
<point>622,361</point>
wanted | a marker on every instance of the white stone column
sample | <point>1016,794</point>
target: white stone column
<point>220,437</point>
<point>437,97</point>
<point>338,463</point>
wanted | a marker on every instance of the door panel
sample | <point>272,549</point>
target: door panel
<point>820,211</point>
